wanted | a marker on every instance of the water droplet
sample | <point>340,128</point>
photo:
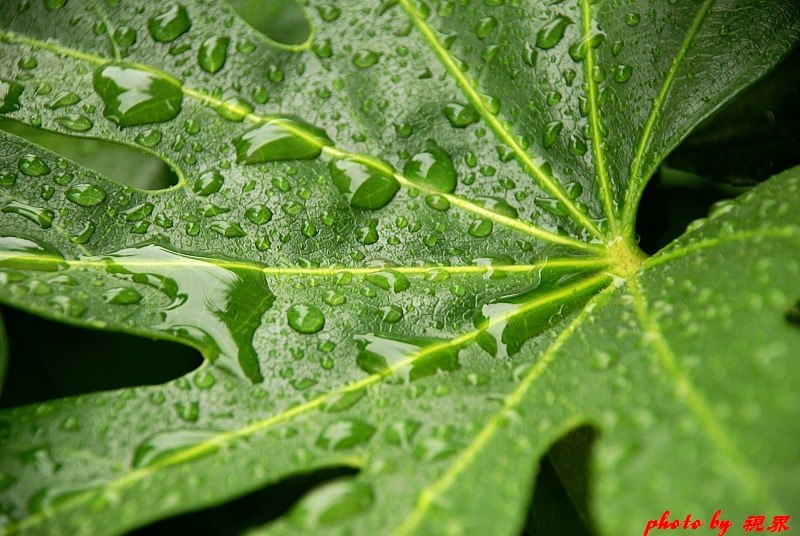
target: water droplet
<point>228,229</point>
<point>258,214</point>
<point>433,448</point>
<point>329,12</point>
<point>437,202</point>
<point>407,358</point>
<point>53,5</point>
<point>162,446</point>
<point>402,433</point>
<point>498,205</point>
<point>148,138</point>
<point>33,166</point>
<point>481,228</point>
<point>333,297</point>
<point>391,314</point>
<point>623,73</point>
<point>332,503</point>
<point>41,216</point>
<point>485,27</point>
<point>389,280</point>
<point>364,186</point>
<point>305,318</point>
<point>85,195</point>
<point>434,168</point>
<point>551,132</point>
<point>365,58</point>
<point>75,122</point>
<point>461,115</point>
<point>10,93</point>
<point>600,360</point>
<point>212,53</point>
<point>122,296</point>
<point>169,24</point>
<point>134,96</point>
<point>632,19</point>
<point>208,183</point>
<point>579,49</point>
<point>279,139</point>
<point>345,434</point>
<point>576,145</point>
<point>552,33</point>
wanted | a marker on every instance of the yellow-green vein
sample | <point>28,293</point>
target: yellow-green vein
<point>542,177</point>
<point>588,285</point>
<point>636,179</point>
<point>694,400</point>
<point>604,185</point>
<point>101,261</point>
<point>428,496</point>
<point>334,152</point>
<point>701,245</point>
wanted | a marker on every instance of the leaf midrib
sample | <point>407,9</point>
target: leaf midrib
<point>465,204</point>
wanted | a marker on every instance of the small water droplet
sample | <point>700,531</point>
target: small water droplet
<point>228,229</point>
<point>481,228</point>
<point>75,122</point>
<point>169,24</point>
<point>365,58</point>
<point>33,166</point>
<point>134,96</point>
<point>345,434</point>
<point>461,115</point>
<point>623,73</point>
<point>485,27</point>
<point>305,318</point>
<point>332,503</point>
<point>85,195</point>
<point>208,183</point>
<point>389,280</point>
<point>163,445</point>
<point>122,296</point>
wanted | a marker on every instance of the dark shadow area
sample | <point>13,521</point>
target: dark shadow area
<point>283,21</point>
<point>560,503</point>
<point>116,161</point>
<point>750,139</point>
<point>50,360</point>
<point>671,201</point>
<point>248,511</point>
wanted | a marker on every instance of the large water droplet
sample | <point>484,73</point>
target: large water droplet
<point>135,96</point>
<point>405,358</point>
<point>212,53</point>
<point>305,318</point>
<point>434,168</point>
<point>345,434</point>
<point>41,216</point>
<point>332,503</point>
<point>169,24</point>
<point>216,309</point>
<point>552,33</point>
<point>364,186</point>
<point>279,139</point>
<point>208,183</point>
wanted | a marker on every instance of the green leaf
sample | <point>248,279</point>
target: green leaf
<point>354,306</point>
